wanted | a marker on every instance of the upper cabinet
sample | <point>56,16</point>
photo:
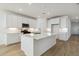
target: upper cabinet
<point>29,21</point>
<point>19,21</point>
<point>53,21</point>
<point>25,20</point>
<point>63,22</point>
<point>15,21</point>
<point>11,21</point>
<point>32,23</point>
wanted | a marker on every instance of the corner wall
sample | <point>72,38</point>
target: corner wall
<point>2,27</point>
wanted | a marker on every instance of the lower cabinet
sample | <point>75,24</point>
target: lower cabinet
<point>36,47</point>
<point>12,38</point>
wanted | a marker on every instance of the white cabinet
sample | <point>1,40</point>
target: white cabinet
<point>53,21</point>
<point>8,21</point>
<point>12,38</point>
<point>37,45</point>
<point>25,20</point>
<point>63,22</point>
<point>15,21</point>
<point>65,26</point>
<point>19,21</point>
<point>11,21</point>
<point>31,22</point>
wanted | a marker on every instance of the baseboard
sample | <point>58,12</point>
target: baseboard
<point>13,43</point>
<point>75,34</point>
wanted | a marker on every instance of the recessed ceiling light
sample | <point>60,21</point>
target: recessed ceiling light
<point>48,13</point>
<point>29,4</point>
<point>20,9</point>
<point>77,17</point>
<point>39,16</point>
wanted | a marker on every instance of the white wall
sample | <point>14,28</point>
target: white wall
<point>74,28</point>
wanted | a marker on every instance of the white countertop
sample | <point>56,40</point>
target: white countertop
<point>37,36</point>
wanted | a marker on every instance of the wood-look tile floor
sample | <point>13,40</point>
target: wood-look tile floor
<point>68,48</point>
<point>11,50</point>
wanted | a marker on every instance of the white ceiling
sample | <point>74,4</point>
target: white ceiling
<point>44,9</point>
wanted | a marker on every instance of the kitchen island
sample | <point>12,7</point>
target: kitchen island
<point>38,44</point>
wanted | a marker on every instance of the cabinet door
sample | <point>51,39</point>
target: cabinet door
<point>53,21</point>
<point>11,21</point>
<point>63,22</point>
<point>19,21</point>
<point>32,23</point>
<point>25,20</point>
<point>13,38</point>
<point>55,29</point>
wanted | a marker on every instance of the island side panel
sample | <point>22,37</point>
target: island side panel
<point>42,45</point>
<point>27,45</point>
